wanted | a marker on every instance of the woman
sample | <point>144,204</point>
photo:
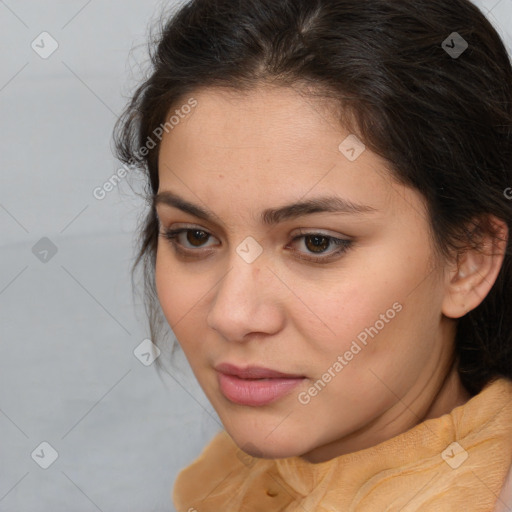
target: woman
<point>328,239</point>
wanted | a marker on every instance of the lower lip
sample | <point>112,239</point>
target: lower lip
<point>255,392</point>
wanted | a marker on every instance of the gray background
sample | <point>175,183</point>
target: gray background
<point>69,323</point>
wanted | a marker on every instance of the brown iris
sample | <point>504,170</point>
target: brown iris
<point>201,238</point>
<point>319,243</point>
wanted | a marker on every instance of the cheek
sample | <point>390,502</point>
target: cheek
<point>338,313</point>
<point>181,296</point>
<point>368,312</point>
<point>173,289</point>
<point>165,282</point>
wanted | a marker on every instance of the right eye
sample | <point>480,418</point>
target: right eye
<point>179,238</point>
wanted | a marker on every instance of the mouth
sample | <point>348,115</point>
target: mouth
<point>255,386</point>
<point>254,372</point>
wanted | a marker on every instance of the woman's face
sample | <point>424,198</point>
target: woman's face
<point>259,282</point>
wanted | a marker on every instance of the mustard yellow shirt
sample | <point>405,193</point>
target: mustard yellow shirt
<point>457,462</point>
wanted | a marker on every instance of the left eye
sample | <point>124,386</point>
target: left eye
<point>318,243</point>
<point>315,243</point>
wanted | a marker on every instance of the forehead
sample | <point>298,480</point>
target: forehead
<point>275,118</point>
<point>273,141</point>
<point>263,125</point>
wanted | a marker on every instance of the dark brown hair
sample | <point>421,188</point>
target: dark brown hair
<point>442,121</point>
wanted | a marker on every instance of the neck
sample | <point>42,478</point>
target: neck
<point>450,395</point>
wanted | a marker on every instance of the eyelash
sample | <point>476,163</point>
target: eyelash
<point>343,244</point>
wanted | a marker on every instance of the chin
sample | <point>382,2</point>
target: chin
<point>263,447</point>
<point>266,452</point>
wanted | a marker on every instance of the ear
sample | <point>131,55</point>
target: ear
<point>473,275</point>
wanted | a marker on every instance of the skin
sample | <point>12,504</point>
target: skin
<point>239,154</point>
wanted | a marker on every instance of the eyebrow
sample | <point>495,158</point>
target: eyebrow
<point>272,216</point>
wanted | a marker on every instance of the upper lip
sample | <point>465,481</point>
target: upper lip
<point>254,372</point>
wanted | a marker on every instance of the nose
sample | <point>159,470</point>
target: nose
<point>247,301</point>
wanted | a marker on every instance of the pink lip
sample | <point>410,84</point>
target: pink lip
<point>254,372</point>
<point>239,385</point>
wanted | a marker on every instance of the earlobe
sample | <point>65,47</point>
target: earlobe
<point>475,273</point>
